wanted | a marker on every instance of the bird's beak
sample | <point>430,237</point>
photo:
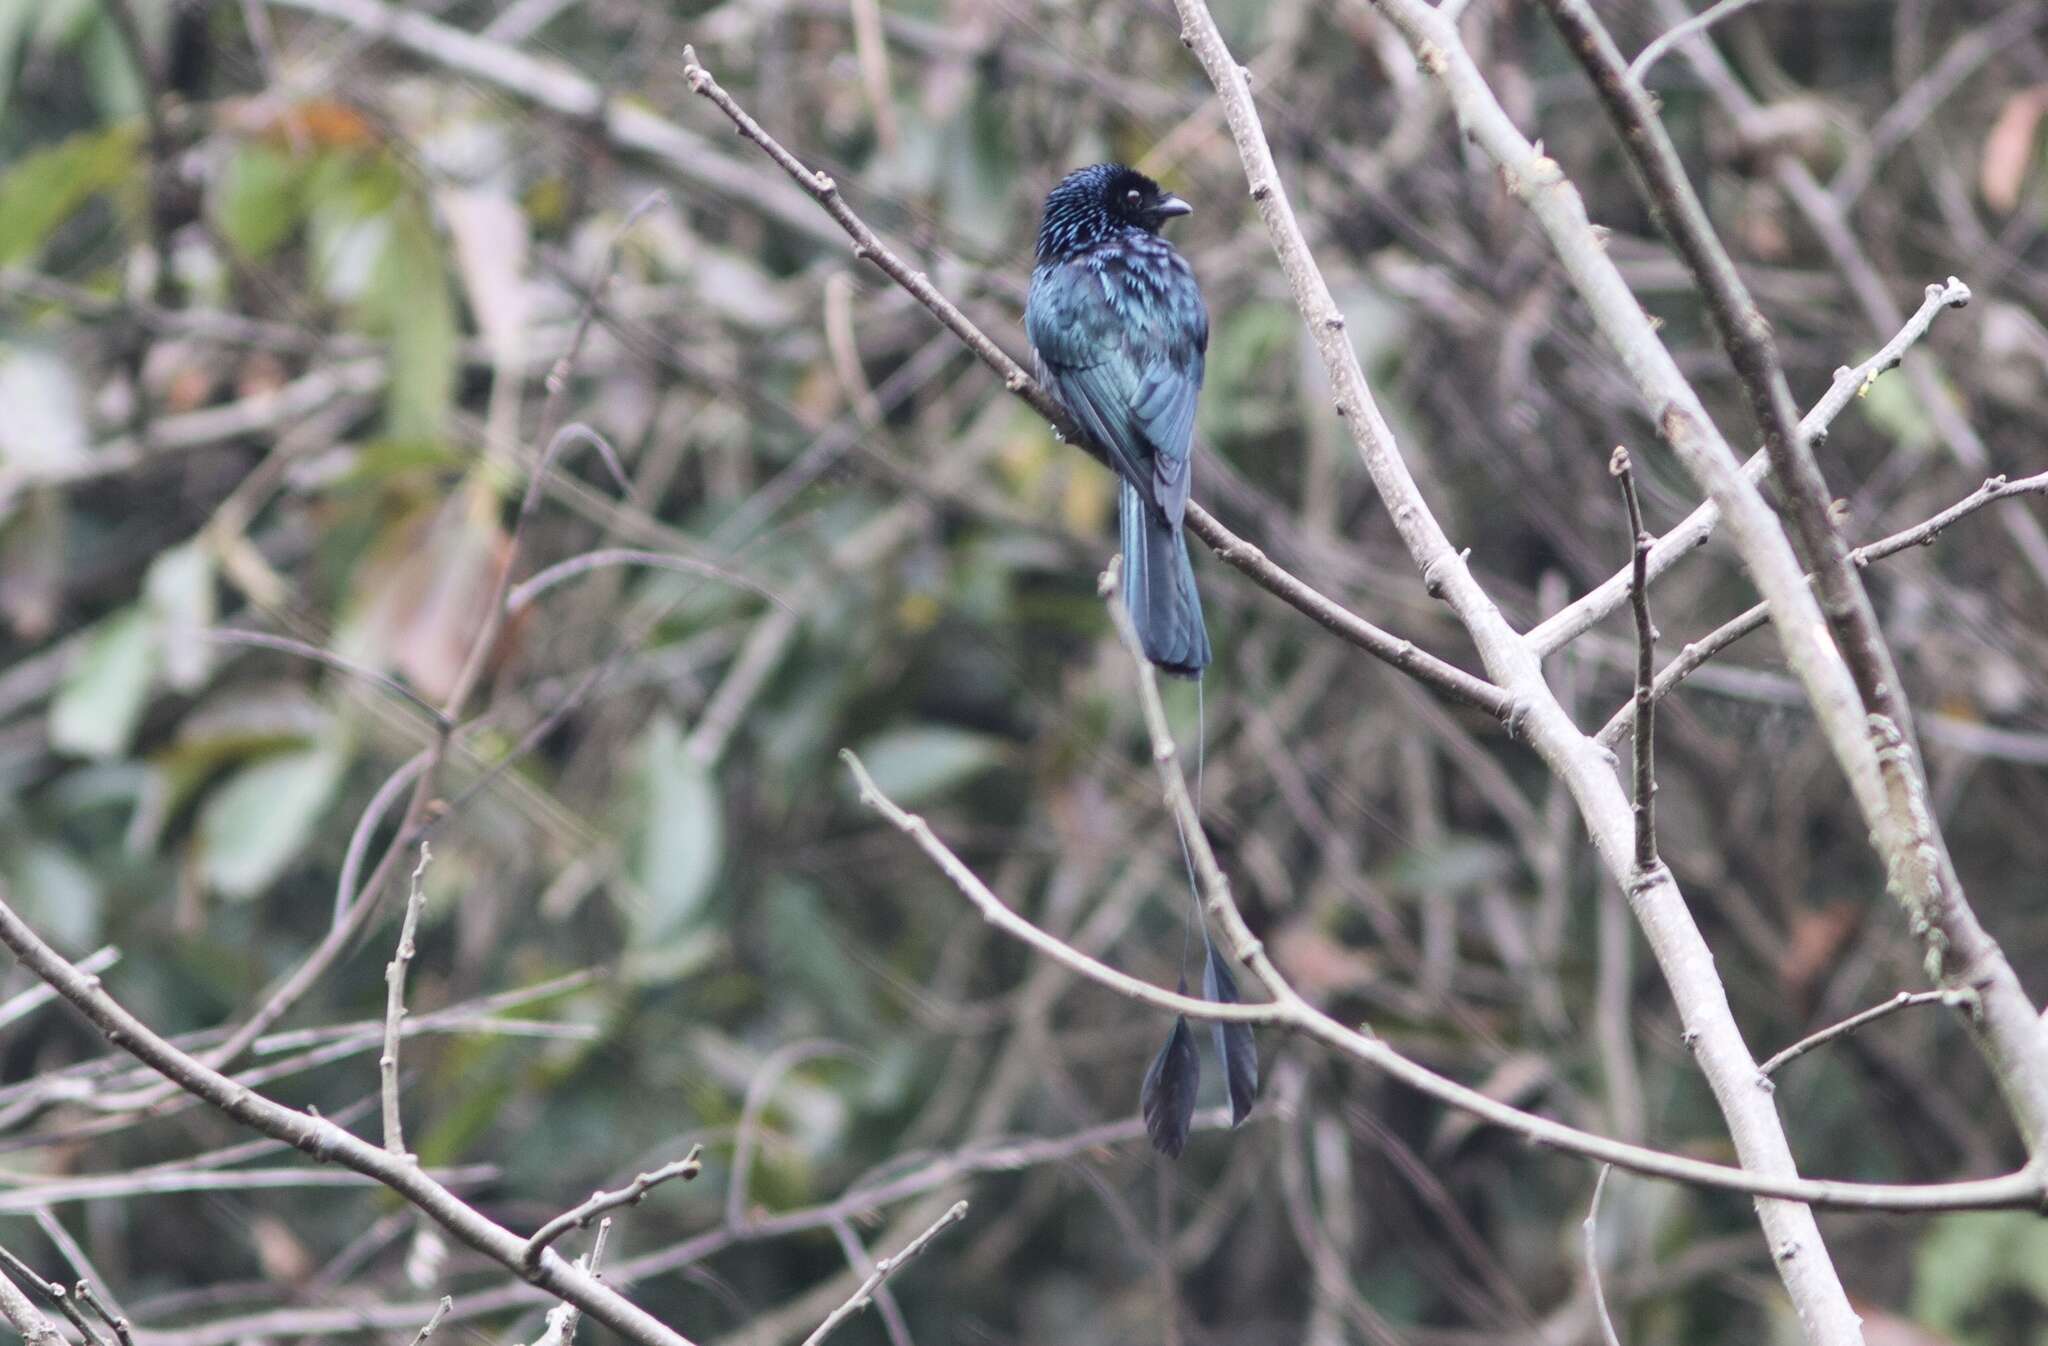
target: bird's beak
<point>1171,207</point>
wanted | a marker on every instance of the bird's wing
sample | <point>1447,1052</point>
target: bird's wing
<point>1126,359</point>
<point>1164,412</point>
<point>1083,350</point>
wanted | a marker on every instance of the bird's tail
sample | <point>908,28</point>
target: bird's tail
<point>1159,588</point>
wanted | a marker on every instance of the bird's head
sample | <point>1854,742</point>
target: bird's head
<point>1099,201</point>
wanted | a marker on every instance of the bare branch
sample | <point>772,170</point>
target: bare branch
<point>24,1317</point>
<point>885,1268</point>
<point>162,1181</point>
<point>441,1310</point>
<point>541,581</point>
<point>1645,756</point>
<point>1655,52</point>
<point>579,1217</point>
<point>1583,613</point>
<point>345,888</point>
<point>746,1134</point>
<point>1880,755</point>
<point>394,1008</point>
<point>263,640</point>
<point>1696,653</point>
<point>115,1321</point>
<point>326,1141</point>
<point>35,997</point>
<point>1590,1229</point>
<point>563,1319</point>
<point>1849,1025</point>
<point>107,1311</point>
<point>1667,924</point>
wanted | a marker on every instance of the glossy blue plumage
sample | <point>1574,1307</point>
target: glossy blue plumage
<point>1118,325</point>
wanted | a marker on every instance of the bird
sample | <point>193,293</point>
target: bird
<point>1120,335</point>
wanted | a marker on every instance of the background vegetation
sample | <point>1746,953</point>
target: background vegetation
<point>278,305</point>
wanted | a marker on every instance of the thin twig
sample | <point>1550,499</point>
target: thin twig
<point>49,1192</point>
<point>1233,550</point>
<point>154,86</point>
<point>1849,1025</point>
<point>1590,1231</point>
<point>563,1318</point>
<point>1671,37</point>
<point>579,1217</point>
<point>263,640</point>
<point>12,1008</point>
<point>441,1310</point>
<point>116,1322</point>
<point>883,1270</point>
<point>2009,1192</point>
<point>83,1269</point>
<point>366,826</point>
<point>746,1135</point>
<point>541,581</point>
<point>1645,757</point>
<point>886,1307</point>
<point>55,1292</point>
<point>394,1007</point>
<point>1694,654</point>
<point>1586,611</point>
<point>24,1317</point>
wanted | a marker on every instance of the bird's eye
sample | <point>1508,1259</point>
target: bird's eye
<point>1132,198</point>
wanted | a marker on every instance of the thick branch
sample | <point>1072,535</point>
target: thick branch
<point>1961,953</point>
<point>1667,924</point>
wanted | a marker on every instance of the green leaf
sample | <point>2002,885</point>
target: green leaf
<point>47,188</point>
<point>919,763</point>
<point>64,22</point>
<point>118,92</point>
<point>1967,1260</point>
<point>14,17</point>
<point>179,591</point>
<point>381,461</point>
<point>102,696</point>
<point>260,200</point>
<point>811,961</point>
<point>1458,864</point>
<point>410,302</point>
<point>58,894</point>
<point>679,839</point>
<point>1893,407</point>
<point>256,823</point>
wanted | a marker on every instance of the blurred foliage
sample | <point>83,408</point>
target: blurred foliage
<point>277,322</point>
